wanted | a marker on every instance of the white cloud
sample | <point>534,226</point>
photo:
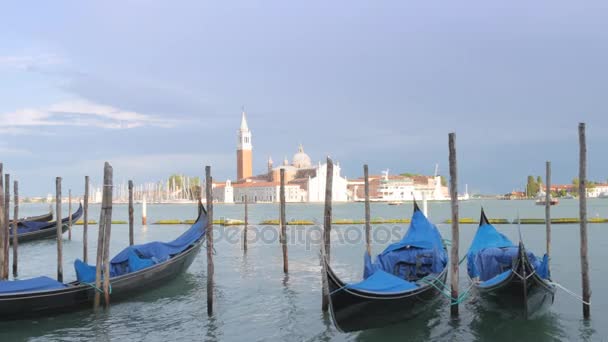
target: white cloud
<point>6,149</point>
<point>78,112</point>
<point>31,61</point>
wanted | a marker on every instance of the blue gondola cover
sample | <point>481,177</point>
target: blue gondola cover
<point>30,285</point>
<point>419,253</point>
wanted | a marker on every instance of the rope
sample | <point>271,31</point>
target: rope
<point>98,289</point>
<point>461,298</point>
<point>570,292</point>
<point>338,290</point>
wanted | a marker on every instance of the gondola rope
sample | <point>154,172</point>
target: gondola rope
<point>571,293</point>
<point>98,289</point>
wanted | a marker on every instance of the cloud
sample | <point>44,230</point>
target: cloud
<point>5,150</point>
<point>31,62</point>
<point>78,112</point>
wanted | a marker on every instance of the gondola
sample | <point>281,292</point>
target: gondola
<point>403,281</point>
<point>507,276</point>
<point>39,218</point>
<point>34,230</point>
<point>134,270</point>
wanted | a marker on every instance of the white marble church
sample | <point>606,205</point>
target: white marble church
<point>304,182</point>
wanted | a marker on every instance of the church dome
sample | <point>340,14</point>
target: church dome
<point>301,160</point>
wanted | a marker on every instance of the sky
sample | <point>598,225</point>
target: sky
<point>157,87</point>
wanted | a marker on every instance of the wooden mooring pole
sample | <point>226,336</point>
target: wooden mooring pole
<point>283,233</point>
<point>454,257</point>
<point>59,228</point>
<point>15,234</point>
<point>70,214</point>
<point>582,195</point>
<point>368,227</point>
<point>548,211</point>
<point>85,226</point>
<point>7,200</point>
<point>2,245</point>
<point>144,211</point>
<point>106,206</point>
<point>329,176</point>
<point>246,225</point>
<point>210,270</point>
<point>131,213</point>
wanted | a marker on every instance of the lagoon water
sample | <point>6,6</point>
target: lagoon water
<point>255,301</point>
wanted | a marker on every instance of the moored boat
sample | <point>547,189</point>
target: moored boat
<point>507,276</point>
<point>403,281</point>
<point>35,230</point>
<point>134,270</point>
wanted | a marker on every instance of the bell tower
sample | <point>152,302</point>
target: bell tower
<point>243,151</point>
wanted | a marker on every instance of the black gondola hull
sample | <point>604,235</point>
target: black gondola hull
<point>354,310</point>
<point>78,296</point>
<point>49,230</point>
<point>532,296</point>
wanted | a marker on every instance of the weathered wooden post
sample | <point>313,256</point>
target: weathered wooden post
<point>107,217</point>
<point>2,246</point>
<point>85,227</point>
<point>59,229</point>
<point>7,200</point>
<point>368,227</point>
<point>131,213</point>
<point>582,195</point>
<point>425,205</point>
<point>144,211</point>
<point>70,214</point>
<point>327,229</point>
<point>454,257</point>
<point>548,210</point>
<point>246,226</point>
<point>210,270</point>
<point>15,225</point>
<point>283,220</point>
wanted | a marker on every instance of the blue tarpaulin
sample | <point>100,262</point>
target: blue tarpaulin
<point>421,252</point>
<point>492,254</point>
<point>384,282</point>
<point>137,257</point>
<point>29,285</point>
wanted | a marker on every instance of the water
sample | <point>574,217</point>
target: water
<point>255,301</point>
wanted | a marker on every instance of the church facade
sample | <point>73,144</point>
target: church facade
<point>304,182</point>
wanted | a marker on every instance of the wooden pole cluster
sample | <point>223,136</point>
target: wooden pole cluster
<point>2,245</point>
<point>131,239</point>
<point>70,214</point>
<point>327,228</point>
<point>103,239</point>
<point>548,208</point>
<point>246,225</point>
<point>15,234</point>
<point>454,257</point>
<point>59,229</point>
<point>582,195</point>
<point>368,227</point>
<point>85,227</point>
<point>210,269</point>
<point>283,234</point>
<point>7,200</point>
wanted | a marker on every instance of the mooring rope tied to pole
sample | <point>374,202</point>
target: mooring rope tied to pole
<point>570,292</point>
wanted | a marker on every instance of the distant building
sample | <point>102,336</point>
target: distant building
<point>304,182</point>
<point>399,188</point>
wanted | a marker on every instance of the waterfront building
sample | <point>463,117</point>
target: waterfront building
<point>391,188</point>
<point>304,182</point>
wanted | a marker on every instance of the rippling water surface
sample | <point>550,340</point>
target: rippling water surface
<point>255,301</point>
